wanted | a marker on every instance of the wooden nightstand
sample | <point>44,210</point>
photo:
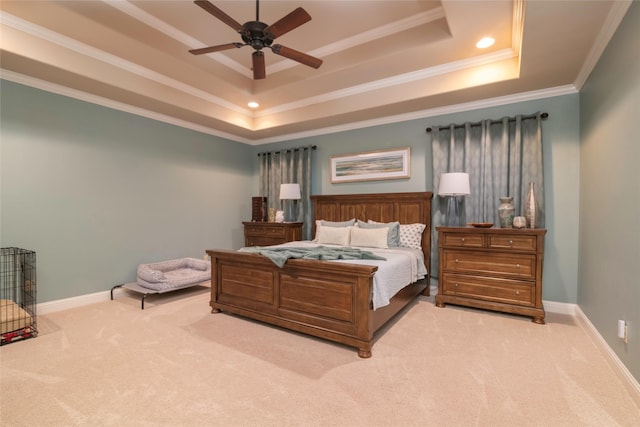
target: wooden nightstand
<point>271,233</point>
<point>492,268</point>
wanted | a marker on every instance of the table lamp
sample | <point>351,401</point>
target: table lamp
<point>454,185</point>
<point>289,193</point>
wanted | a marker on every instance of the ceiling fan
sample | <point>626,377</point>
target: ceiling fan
<point>259,36</point>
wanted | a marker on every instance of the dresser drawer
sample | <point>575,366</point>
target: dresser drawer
<point>509,241</point>
<point>503,264</point>
<point>271,233</point>
<point>459,240</point>
<point>262,241</point>
<point>489,289</point>
<point>264,231</point>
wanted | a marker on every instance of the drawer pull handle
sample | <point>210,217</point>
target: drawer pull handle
<point>517,265</point>
<point>456,259</point>
<point>456,285</point>
<point>517,292</point>
<point>511,242</point>
<point>462,240</point>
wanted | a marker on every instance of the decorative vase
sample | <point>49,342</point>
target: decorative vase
<point>506,211</point>
<point>531,207</point>
<point>519,222</point>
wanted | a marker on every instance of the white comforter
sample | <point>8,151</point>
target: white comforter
<point>402,267</point>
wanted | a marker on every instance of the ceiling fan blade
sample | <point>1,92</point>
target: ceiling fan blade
<point>259,70</point>
<point>217,48</point>
<point>288,23</point>
<point>209,7</point>
<point>298,56</point>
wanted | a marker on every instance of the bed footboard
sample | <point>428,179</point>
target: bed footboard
<point>324,299</point>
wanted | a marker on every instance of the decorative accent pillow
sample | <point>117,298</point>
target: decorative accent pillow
<point>370,237</point>
<point>411,235</point>
<point>336,223</point>
<point>322,222</point>
<point>334,235</point>
<point>393,238</point>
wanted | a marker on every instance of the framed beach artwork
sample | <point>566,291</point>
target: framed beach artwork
<point>371,165</point>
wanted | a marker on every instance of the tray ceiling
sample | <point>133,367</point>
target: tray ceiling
<point>383,60</point>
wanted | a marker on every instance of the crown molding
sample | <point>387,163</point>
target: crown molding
<point>179,36</point>
<point>423,74</point>
<point>433,112</point>
<point>363,38</point>
<point>517,28</point>
<point>146,18</point>
<point>615,16</point>
<point>97,54</point>
<point>115,105</point>
<point>368,36</point>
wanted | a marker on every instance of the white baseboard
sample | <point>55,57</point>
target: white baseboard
<point>74,302</point>
<point>620,369</point>
<point>79,301</point>
<point>560,307</point>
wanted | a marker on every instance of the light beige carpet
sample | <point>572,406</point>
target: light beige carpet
<point>176,364</point>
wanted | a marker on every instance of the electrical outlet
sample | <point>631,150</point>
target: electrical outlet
<point>622,330</point>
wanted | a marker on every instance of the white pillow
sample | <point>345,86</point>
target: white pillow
<point>322,222</point>
<point>334,235</point>
<point>370,237</point>
<point>411,235</point>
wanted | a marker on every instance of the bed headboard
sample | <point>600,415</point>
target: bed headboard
<point>407,208</point>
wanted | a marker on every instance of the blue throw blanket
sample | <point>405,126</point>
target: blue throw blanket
<point>279,256</point>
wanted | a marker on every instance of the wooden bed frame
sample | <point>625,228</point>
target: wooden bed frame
<point>325,299</point>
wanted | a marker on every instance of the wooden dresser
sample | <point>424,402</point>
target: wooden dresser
<point>271,233</point>
<point>492,268</point>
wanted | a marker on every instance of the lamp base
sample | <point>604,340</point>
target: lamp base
<point>454,212</point>
<point>290,211</point>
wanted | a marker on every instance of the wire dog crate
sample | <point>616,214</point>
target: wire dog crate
<point>18,318</point>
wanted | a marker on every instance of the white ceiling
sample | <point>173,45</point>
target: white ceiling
<point>383,60</point>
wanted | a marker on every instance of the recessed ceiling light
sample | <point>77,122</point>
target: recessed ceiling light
<point>253,104</point>
<point>485,42</point>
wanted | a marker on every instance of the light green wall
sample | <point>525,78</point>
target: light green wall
<point>561,161</point>
<point>610,192</point>
<point>133,190</point>
<point>95,192</point>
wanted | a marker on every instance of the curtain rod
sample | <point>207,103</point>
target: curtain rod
<point>511,119</point>
<point>288,150</point>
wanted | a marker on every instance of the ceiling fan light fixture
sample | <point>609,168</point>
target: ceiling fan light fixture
<point>253,104</point>
<point>485,42</point>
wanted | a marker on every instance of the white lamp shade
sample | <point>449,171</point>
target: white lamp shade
<point>454,184</point>
<point>289,191</point>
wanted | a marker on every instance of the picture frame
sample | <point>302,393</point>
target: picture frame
<point>371,165</point>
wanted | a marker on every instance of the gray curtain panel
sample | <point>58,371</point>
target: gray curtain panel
<point>501,157</point>
<point>288,166</point>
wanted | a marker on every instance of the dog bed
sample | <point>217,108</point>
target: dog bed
<point>167,276</point>
<point>15,322</point>
<point>173,274</point>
